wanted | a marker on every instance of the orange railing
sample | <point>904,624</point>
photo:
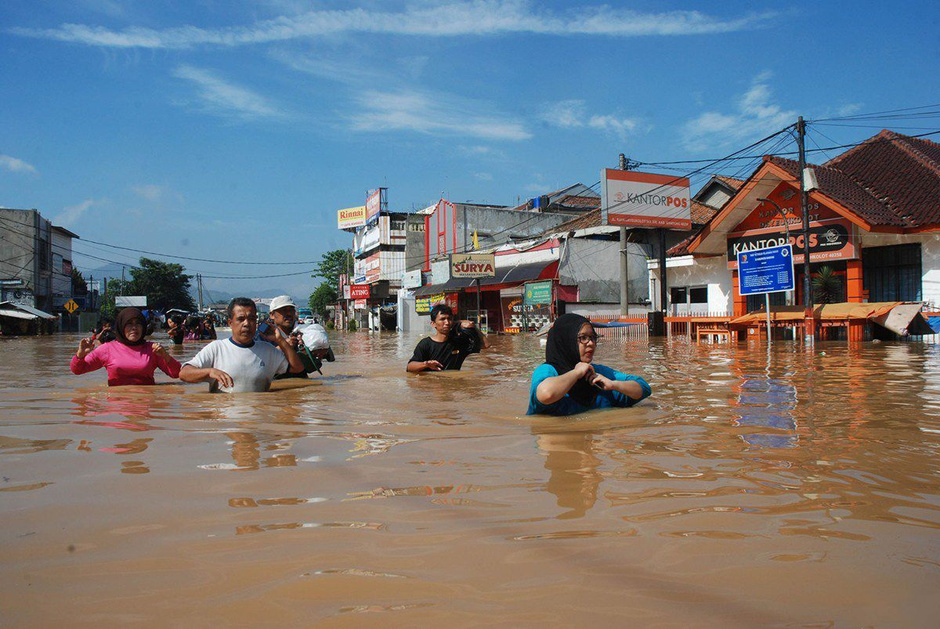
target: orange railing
<point>687,324</point>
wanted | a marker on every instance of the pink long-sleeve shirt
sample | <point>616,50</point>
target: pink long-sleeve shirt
<point>126,364</point>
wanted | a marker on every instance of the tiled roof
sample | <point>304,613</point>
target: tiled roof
<point>901,172</point>
<point>730,181</point>
<point>702,213</point>
<point>591,218</point>
<point>580,203</point>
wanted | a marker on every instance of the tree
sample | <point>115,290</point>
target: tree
<point>79,285</point>
<point>164,284</point>
<point>331,266</point>
<point>827,286</point>
<point>324,295</point>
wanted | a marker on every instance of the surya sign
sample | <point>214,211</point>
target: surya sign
<point>473,265</point>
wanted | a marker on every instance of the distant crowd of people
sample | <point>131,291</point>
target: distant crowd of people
<point>259,352</point>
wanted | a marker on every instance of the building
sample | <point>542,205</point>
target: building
<point>35,260</point>
<point>874,223</point>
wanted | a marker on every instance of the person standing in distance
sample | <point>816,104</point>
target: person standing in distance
<point>239,364</point>
<point>449,345</point>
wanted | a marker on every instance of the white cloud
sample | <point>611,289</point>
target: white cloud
<point>15,165</point>
<point>570,114</point>
<point>70,215</point>
<point>221,97</point>
<point>565,114</point>
<point>150,192</point>
<point>432,114</point>
<point>849,109</point>
<point>480,18</point>
<point>755,115</point>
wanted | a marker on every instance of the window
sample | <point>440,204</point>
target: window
<point>698,295</point>
<point>678,294</point>
<point>398,225</point>
<point>893,273</point>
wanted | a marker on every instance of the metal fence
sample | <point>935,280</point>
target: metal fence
<point>636,327</point>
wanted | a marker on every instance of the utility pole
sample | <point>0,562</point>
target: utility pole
<point>624,269</point>
<point>199,289</point>
<point>808,320</point>
<point>122,281</point>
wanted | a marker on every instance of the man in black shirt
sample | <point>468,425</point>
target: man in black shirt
<point>447,347</point>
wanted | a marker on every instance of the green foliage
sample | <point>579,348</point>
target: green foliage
<point>324,295</point>
<point>827,286</point>
<point>79,285</point>
<point>351,325</point>
<point>333,264</point>
<point>164,284</point>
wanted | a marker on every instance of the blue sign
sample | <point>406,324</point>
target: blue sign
<point>767,270</point>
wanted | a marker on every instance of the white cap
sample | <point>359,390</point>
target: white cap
<point>281,301</point>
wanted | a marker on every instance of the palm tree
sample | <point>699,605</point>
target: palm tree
<point>827,286</point>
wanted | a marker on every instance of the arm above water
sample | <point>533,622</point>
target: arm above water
<point>200,368</point>
<point>167,364</point>
<point>87,359</point>
<point>553,388</point>
<point>627,389</point>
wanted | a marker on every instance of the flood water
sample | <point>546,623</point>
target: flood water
<point>796,488</point>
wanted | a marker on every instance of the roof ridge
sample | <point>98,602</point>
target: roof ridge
<point>879,196</point>
<point>878,137</point>
<point>905,145</point>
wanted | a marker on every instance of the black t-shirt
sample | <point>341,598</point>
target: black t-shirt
<point>451,353</point>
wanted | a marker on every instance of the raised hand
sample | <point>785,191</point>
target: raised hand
<point>159,351</point>
<point>433,365</point>
<point>84,348</point>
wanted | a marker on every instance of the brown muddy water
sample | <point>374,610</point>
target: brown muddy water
<point>797,488</point>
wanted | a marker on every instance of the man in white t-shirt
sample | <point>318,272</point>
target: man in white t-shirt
<point>239,364</point>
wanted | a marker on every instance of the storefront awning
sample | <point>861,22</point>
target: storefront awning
<point>504,275</point>
<point>899,317</point>
<point>19,311</point>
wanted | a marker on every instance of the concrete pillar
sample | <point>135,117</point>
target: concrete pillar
<point>854,286</point>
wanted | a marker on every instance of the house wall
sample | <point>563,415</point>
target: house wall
<point>594,266</point>
<point>712,272</point>
<point>16,248</point>
<point>929,252</point>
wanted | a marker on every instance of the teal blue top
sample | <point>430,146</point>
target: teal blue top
<point>567,406</point>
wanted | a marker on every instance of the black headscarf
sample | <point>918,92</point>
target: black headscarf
<point>562,353</point>
<point>126,316</point>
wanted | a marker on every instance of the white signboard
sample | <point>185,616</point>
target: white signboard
<point>411,279</point>
<point>128,301</point>
<point>472,265</point>
<point>632,199</point>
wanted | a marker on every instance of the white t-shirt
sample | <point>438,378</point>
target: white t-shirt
<point>251,368</point>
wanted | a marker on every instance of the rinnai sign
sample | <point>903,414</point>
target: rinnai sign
<point>632,199</point>
<point>351,217</point>
<point>472,265</point>
<point>359,291</point>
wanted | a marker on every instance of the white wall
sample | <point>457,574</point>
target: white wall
<point>929,257</point>
<point>712,272</point>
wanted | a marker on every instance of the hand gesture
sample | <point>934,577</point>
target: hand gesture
<point>221,377</point>
<point>433,365</point>
<point>84,348</point>
<point>159,351</point>
<point>467,323</point>
<point>585,371</point>
<point>602,383</point>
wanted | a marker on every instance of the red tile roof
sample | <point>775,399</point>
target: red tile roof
<point>730,181</point>
<point>702,213</point>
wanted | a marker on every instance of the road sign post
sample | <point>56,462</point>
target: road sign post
<point>765,271</point>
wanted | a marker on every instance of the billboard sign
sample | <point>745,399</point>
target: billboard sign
<point>359,291</point>
<point>633,199</point>
<point>129,301</point>
<point>473,265</point>
<point>767,270</point>
<point>538,293</point>
<point>828,240</point>
<point>351,217</point>
<point>411,279</point>
<point>373,206</point>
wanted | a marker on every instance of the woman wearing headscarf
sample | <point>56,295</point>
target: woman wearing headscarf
<point>129,359</point>
<point>568,382</point>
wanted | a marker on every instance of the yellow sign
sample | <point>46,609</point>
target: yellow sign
<point>71,306</point>
<point>351,217</point>
<point>472,265</point>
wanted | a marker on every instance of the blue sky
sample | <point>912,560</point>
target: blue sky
<point>235,130</point>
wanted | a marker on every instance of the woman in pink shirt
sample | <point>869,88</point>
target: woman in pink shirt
<point>129,359</point>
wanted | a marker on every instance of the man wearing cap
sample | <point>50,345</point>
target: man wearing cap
<point>240,364</point>
<point>311,351</point>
